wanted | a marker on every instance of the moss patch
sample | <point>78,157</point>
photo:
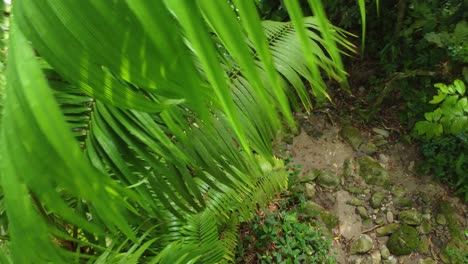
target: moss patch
<point>403,241</point>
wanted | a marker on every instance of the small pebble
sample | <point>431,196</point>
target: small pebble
<point>390,217</point>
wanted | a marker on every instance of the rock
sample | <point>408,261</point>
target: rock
<point>310,176</point>
<point>456,251</point>
<point>383,158</point>
<point>411,166</point>
<point>384,252</point>
<point>403,241</point>
<point>360,259</point>
<point>390,260</point>
<point>387,229</point>
<point>309,190</point>
<point>437,242</point>
<point>427,215</point>
<point>377,137</point>
<point>362,211</point>
<point>352,136</point>
<point>376,199</point>
<point>425,198</point>
<point>353,189</point>
<point>367,223</point>
<point>397,191</point>
<point>349,168</point>
<point>389,217</point>
<point>380,220</point>
<point>362,245</point>
<point>356,202</point>
<point>311,209</point>
<point>376,257</point>
<point>350,222</point>
<point>329,219</point>
<point>372,172</point>
<point>427,261</point>
<point>368,148</point>
<point>425,227</point>
<point>328,179</point>
<point>403,201</point>
<point>424,245</point>
<point>441,220</point>
<point>381,132</point>
<point>410,217</point>
<point>381,142</point>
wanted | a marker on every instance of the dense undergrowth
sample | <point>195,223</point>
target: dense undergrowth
<point>285,232</point>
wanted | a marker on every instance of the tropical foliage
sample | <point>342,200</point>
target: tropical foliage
<point>140,131</point>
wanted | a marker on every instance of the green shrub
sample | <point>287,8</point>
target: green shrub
<point>279,237</point>
<point>444,137</point>
<point>282,235</point>
<point>451,117</point>
<point>446,158</point>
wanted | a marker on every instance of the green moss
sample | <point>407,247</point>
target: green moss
<point>372,172</point>
<point>446,209</point>
<point>312,210</point>
<point>456,250</point>
<point>403,241</point>
<point>330,220</point>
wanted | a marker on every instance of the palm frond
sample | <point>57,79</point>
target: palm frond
<point>156,137</point>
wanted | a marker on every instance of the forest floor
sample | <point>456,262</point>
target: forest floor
<point>386,211</point>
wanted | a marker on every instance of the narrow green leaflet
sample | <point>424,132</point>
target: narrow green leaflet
<point>41,157</point>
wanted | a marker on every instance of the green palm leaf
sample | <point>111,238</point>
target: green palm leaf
<point>130,136</point>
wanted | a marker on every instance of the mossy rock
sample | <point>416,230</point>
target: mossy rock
<point>424,245</point>
<point>377,199</point>
<point>310,176</point>
<point>368,148</point>
<point>362,245</point>
<point>329,219</point>
<point>455,252</point>
<point>353,189</point>
<point>387,229</point>
<point>403,241</point>
<point>349,168</point>
<point>410,217</point>
<point>312,210</point>
<point>352,136</point>
<point>425,227</point>
<point>447,210</point>
<point>328,179</point>
<point>404,201</point>
<point>372,172</point>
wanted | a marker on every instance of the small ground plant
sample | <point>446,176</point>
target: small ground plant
<point>280,235</point>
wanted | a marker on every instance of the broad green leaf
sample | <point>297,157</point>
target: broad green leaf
<point>436,115</point>
<point>463,104</point>
<point>449,106</point>
<point>429,129</point>
<point>460,87</point>
<point>438,98</point>
<point>459,124</point>
<point>442,87</point>
<point>429,116</point>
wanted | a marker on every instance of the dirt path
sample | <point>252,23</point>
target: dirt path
<point>387,212</point>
